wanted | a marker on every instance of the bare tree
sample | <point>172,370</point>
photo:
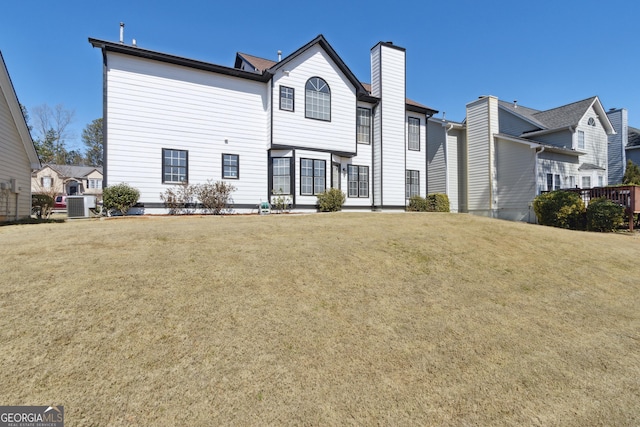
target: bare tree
<point>51,131</point>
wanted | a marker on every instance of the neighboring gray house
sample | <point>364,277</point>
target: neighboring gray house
<point>633,145</point>
<point>617,143</point>
<point>503,155</point>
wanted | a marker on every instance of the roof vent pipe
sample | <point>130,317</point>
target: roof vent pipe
<point>515,103</point>
<point>122,33</point>
<point>279,55</point>
<point>134,42</point>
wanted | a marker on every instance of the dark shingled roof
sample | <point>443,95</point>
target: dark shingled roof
<point>408,101</point>
<point>260,64</point>
<point>633,137</point>
<point>565,116</point>
<point>556,118</point>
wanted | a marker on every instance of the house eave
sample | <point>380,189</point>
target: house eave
<point>178,60</point>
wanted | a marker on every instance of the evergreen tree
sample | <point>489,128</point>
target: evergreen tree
<point>632,174</point>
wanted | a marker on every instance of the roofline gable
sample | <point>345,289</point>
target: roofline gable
<point>8,92</point>
<point>324,44</point>
<point>602,115</point>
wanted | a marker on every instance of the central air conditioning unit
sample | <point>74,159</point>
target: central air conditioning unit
<point>80,206</point>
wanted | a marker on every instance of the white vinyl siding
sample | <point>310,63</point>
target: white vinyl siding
<point>388,82</point>
<point>337,135</point>
<point>153,105</point>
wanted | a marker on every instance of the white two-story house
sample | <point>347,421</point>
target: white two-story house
<point>292,127</point>
<point>503,155</point>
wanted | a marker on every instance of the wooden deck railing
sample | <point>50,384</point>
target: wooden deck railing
<point>627,196</point>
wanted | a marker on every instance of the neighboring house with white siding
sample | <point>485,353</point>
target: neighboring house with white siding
<point>17,153</point>
<point>67,180</point>
<point>293,127</point>
<point>507,154</point>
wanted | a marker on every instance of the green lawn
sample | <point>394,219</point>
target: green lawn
<point>326,319</point>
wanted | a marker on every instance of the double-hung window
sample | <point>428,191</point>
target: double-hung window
<point>364,125</point>
<point>287,99</point>
<point>230,166</point>
<point>175,165</point>
<point>414,134</point>
<point>553,182</point>
<point>586,182</point>
<point>46,182</point>
<point>413,183</point>
<point>358,181</point>
<point>95,183</point>
<point>312,176</point>
<point>580,140</point>
<point>317,99</point>
<point>281,170</point>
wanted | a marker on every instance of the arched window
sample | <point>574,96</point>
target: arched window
<point>317,99</point>
<point>591,121</point>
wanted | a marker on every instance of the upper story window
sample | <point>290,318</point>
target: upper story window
<point>47,182</point>
<point>317,99</point>
<point>175,166</point>
<point>364,125</point>
<point>287,98</point>
<point>591,121</point>
<point>580,139</point>
<point>414,134</point>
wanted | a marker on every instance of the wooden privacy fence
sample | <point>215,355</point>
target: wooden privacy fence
<point>627,196</point>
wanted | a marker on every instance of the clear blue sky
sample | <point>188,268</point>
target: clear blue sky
<point>542,53</point>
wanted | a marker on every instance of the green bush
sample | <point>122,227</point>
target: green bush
<point>418,204</point>
<point>437,202</point>
<point>41,205</point>
<point>562,209</point>
<point>330,200</point>
<point>120,197</point>
<point>604,215</point>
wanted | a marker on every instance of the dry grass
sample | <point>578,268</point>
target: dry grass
<point>336,319</point>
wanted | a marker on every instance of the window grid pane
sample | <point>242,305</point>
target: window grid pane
<point>414,133</point>
<point>281,175</point>
<point>175,165</point>
<point>286,98</point>
<point>317,99</point>
<point>364,125</point>
<point>412,183</point>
